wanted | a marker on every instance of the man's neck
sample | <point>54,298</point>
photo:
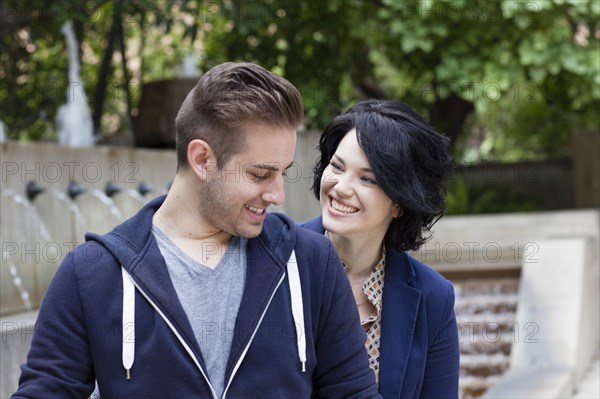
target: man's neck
<point>179,218</point>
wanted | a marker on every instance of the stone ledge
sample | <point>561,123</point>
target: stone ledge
<point>549,383</point>
<point>559,307</point>
<point>17,331</point>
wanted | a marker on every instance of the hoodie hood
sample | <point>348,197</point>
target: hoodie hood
<point>129,241</point>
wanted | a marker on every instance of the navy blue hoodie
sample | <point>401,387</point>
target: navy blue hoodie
<point>79,332</point>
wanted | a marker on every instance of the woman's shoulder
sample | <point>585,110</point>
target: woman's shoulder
<point>421,276</point>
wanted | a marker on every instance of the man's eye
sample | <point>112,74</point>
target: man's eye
<point>255,177</point>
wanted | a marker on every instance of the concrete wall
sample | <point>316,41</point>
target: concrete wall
<point>53,166</point>
<point>17,331</point>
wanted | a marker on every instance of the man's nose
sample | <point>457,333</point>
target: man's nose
<point>275,194</point>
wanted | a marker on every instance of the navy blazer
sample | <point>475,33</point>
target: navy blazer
<point>419,354</point>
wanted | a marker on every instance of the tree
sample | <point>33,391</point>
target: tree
<point>33,59</point>
<point>448,58</point>
<point>468,65</point>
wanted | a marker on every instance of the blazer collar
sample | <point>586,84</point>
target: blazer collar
<point>403,274</point>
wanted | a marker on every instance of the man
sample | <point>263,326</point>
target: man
<point>200,294</point>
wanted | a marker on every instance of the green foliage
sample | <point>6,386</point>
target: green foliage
<point>34,64</point>
<point>529,70</point>
<point>461,199</point>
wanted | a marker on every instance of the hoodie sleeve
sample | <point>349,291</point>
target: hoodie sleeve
<point>59,361</point>
<point>343,368</point>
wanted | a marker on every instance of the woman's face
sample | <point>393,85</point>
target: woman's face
<point>352,204</point>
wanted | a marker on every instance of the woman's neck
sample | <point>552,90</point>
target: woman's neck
<point>359,254</point>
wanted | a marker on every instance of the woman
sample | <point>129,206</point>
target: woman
<point>380,181</point>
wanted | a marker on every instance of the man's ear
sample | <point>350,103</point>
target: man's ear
<point>201,159</point>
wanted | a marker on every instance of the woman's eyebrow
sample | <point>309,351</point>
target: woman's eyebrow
<point>341,160</point>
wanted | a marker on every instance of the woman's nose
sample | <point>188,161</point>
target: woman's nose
<point>343,186</point>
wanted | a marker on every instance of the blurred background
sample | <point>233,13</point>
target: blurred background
<point>508,81</point>
<point>89,91</point>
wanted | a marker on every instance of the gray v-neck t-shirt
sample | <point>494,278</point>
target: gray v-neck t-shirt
<point>210,297</point>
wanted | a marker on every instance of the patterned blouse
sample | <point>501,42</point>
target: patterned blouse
<point>373,290</point>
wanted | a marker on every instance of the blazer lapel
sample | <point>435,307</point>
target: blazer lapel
<point>398,321</point>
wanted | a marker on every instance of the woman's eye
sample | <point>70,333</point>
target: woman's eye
<point>335,167</point>
<point>368,180</point>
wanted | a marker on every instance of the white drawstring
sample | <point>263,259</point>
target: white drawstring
<point>128,352</point>
<point>128,321</point>
<point>297,308</point>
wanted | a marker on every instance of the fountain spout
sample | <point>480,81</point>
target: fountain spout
<point>145,188</point>
<point>2,133</point>
<point>74,120</point>
<point>33,189</point>
<point>75,189</point>
<point>111,189</point>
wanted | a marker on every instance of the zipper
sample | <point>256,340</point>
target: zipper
<point>181,340</point>
<point>239,362</point>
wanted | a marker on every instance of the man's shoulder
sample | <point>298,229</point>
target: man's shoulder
<point>88,259</point>
<point>280,225</point>
<point>315,224</point>
<point>313,230</point>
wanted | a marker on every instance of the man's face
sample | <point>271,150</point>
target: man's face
<point>235,198</point>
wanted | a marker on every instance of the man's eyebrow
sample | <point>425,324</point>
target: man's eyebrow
<point>271,166</point>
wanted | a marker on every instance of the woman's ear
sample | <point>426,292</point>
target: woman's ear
<point>201,159</point>
<point>397,211</point>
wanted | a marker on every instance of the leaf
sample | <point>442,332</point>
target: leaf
<point>537,74</point>
<point>409,43</point>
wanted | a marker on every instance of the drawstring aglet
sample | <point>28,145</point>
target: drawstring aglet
<point>304,367</point>
<point>128,374</point>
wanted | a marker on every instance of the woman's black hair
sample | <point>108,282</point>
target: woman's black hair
<point>410,160</point>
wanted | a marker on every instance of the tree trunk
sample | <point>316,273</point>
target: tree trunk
<point>449,115</point>
<point>362,74</point>
<point>105,67</point>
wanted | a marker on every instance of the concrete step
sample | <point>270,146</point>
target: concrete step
<point>483,365</point>
<point>486,347</point>
<point>485,313</point>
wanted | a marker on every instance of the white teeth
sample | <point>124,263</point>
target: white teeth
<point>342,208</point>
<point>258,211</point>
